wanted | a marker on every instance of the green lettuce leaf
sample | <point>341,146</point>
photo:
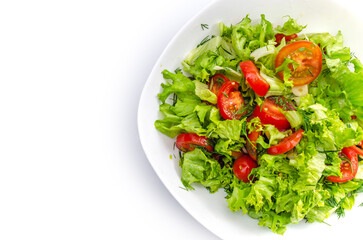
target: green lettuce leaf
<point>290,27</point>
<point>229,129</point>
<point>198,168</point>
<point>246,37</point>
<point>180,83</point>
<point>202,91</point>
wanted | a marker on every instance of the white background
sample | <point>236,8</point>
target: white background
<point>71,164</point>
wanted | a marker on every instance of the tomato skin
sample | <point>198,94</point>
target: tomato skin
<point>187,141</point>
<point>270,113</point>
<point>346,168</point>
<point>216,82</point>
<point>251,144</point>
<point>254,79</point>
<point>358,150</point>
<point>286,144</point>
<point>242,167</point>
<point>308,55</point>
<point>230,100</point>
<point>280,36</point>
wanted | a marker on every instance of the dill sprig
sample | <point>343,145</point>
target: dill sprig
<point>178,70</point>
<point>306,119</point>
<point>332,202</point>
<point>247,108</point>
<point>221,47</point>
<point>204,40</point>
<point>285,103</point>
<point>325,72</point>
<point>340,212</point>
<point>311,73</point>
<point>204,26</point>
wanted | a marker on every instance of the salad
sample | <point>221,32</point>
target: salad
<point>272,117</point>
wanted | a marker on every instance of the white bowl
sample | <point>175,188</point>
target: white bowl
<point>211,209</point>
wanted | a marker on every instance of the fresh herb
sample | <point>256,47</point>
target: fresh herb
<point>340,212</point>
<point>174,99</point>
<point>204,26</point>
<point>346,159</point>
<point>325,72</point>
<point>332,202</point>
<point>306,119</point>
<point>204,40</point>
<point>178,70</point>
<point>285,103</point>
<point>310,72</point>
<point>328,151</point>
<point>221,47</point>
<point>247,109</point>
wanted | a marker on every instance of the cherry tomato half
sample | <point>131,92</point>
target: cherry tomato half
<point>187,141</point>
<point>230,101</point>
<point>270,113</point>
<point>309,57</point>
<point>286,144</point>
<point>280,36</point>
<point>216,82</point>
<point>242,167</point>
<point>251,144</point>
<point>348,170</point>
<point>253,77</point>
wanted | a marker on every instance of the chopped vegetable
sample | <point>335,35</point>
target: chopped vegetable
<point>272,117</point>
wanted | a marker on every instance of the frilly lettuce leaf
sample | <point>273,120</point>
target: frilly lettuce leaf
<point>290,27</point>
<point>202,91</point>
<point>199,168</point>
<point>180,83</point>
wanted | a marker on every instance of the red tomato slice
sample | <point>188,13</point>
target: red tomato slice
<point>230,100</point>
<point>309,57</point>
<point>280,36</point>
<point>348,170</point>
<point>286,144</point>
<point>358,150</point>
<point>216,82</point>
<point>253,77</point>
<point>242,167</point>
<point>251,144</point>
<point>270,113</point>
<point>187,141</point>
